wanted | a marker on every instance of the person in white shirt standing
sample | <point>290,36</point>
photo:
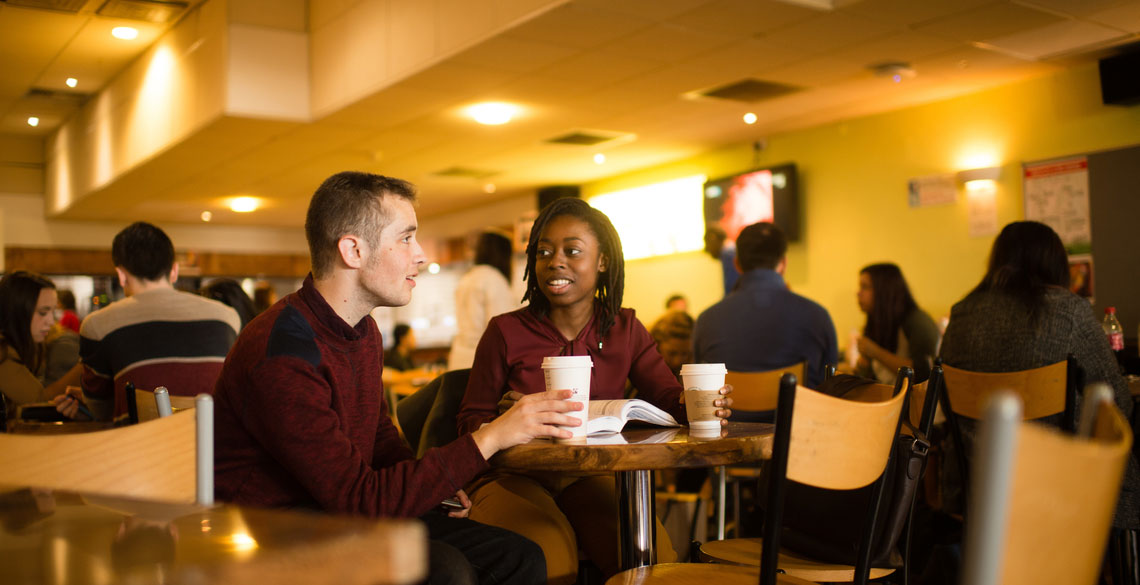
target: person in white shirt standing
<point>483,292</point>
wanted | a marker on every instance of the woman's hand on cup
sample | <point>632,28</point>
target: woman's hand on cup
<point>724,404</point>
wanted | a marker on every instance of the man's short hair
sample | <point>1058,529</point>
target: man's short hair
<point>348,203</point>
<point>760,245</point>
<point>144,251</point>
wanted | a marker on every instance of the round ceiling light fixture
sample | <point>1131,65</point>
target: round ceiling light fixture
<point>244,204</point>
<point>492,113</point>
<point>125,33</point>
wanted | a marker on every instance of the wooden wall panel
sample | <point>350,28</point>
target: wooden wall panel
<point>98,262</point>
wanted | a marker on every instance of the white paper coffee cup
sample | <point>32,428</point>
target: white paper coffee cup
<point>571,372</point>
<point>702,384</point>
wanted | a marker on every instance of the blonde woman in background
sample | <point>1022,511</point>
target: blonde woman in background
<point>483,292</point>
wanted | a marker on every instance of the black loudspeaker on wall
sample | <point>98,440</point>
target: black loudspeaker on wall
<point>1120,79</point>
<point>548,194</point>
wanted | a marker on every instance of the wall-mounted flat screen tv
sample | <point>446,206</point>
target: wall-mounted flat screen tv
<point>766,194</point>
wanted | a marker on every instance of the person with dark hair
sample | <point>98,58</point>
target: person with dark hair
<point>1022,316</point>
<point>157,336</point>
<point>483,292</point>
<point>677,302</point>
<point>264,296</point>
<point>229,292</point>
<point>403,342</point>
<point>762,325</point>
<point>673,334</point>
<point>300,418</point>
<point>897,333</point>
<point>27,301</point>
<point>575,274</point>
<point>68,319</point>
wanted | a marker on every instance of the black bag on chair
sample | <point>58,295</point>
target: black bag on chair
<point>824,524</point>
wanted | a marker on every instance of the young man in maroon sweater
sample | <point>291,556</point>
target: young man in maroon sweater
<point>299,417</point>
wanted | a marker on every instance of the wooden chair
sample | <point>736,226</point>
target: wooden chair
<point>168,459</point>
<point>144,405</point>
<point>760,391</point>
<point>1046,391</point>
<point>748,551</point>
<point>1055,528</point>
<point>820,440</point>
<point>751,391</point>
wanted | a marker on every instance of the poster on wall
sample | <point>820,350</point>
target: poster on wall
<point>1081,276</point>
<point>1057,194</point>
<point>932,190</point>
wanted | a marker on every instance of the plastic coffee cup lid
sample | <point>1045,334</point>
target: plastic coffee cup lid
<point>567,361</point>
<point>703,369</point>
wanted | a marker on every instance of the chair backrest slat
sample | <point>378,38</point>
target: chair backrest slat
<point>152,460</point>
<point>759,391</point>
<point>149,405</point>
<point>1041,390</point>
<point>841,444</point>
<point>1056,527</point>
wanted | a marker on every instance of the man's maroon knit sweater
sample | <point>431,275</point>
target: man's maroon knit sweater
<point>300,421</point>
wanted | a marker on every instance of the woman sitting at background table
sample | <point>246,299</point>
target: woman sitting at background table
<point>897,333</point>
<point>27,304</point>
<point>575,278</point>
<point>1022,316</point>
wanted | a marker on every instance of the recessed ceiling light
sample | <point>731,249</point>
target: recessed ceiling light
<point>244,204</point>
<point>489,188</point>
<point>33,121</point>
<point>749,118</point>
<point>492,113</point>
<point>599,158</point>
<point>207,216</point>
<point>433,268</point>
<point>72,82</point>
<point>125,33</point>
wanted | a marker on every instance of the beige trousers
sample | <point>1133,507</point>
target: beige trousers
<point>563,514</point>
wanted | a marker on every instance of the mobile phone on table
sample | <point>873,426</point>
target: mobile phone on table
<point>452,504</point>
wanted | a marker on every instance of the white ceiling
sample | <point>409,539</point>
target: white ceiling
<point>623,66</point>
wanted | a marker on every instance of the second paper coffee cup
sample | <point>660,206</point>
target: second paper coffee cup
<point>702,384</point>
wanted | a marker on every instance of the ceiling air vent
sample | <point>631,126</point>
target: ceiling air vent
<point>41,95</point>
<point>156,11</point>
<point>57,5</point>
<point>748,91</point>
<point>465,173</point>
<point>591,137</point>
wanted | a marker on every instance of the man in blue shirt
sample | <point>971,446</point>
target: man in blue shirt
<point>762,325</point>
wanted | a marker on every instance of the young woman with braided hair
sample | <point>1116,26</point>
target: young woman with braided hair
<point>575,275</point>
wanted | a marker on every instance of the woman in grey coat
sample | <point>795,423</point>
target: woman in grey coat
<point>1023,316</point>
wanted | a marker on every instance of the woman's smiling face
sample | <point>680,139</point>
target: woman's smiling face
<point>567,261</point>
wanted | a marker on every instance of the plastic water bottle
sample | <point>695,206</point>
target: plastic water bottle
<point>1113,330</point>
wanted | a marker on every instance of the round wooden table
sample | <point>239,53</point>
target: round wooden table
<point>631,457</point>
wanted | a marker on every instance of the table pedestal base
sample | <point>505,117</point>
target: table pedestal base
<point>637,514</point>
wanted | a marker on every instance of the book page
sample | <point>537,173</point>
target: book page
<point>610,416</point>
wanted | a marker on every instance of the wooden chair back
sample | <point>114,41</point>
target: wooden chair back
<point>832,443</point>
<point>1042,390</point>
<point>168,459</point>
<point>839,443</point>
<point>150,405</point>
<point>1044,500</point>
<point>759,391</point>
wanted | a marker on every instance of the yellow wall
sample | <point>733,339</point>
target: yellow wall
<point>853,191</point>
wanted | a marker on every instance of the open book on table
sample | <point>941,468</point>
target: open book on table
<point>610,416</point>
